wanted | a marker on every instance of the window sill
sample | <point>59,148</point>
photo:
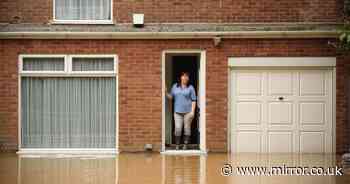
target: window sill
<point>38,152</point>
<point>92,22</point>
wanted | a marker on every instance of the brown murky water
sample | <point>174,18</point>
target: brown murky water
<point>128,168</point>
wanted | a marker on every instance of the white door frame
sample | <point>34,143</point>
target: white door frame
<point>202,99</point>
<point>281,62</point>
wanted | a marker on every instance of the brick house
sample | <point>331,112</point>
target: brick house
<point>81,76</point>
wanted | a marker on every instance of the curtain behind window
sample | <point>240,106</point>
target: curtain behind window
<point>43,64</point>
<point>83,9</point>
<point>93,64</point>
<point>67,112</point>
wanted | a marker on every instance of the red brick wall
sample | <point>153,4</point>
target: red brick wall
<point>218,11</point>
<point>343,111</point>
<point>140,82</point>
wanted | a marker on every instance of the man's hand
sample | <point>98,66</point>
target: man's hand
<point>192,113</point>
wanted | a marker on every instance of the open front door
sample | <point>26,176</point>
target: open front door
<point>168,103</point>
<point>198,104</point>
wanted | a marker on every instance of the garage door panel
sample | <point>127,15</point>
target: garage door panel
<point>249,141</point>
<point>280,113</point>
<point>312,113</point>
<point>313,99</point>
<point>279,141</point>
<point>280,127</point>
<point>312,142</point>
<point>314,128</point>
<point>300,121</point>
<point>249,83</point>
<point>248,112</point>
<point>250,127</point>
<point>312,83</point>
<point>280,83</point>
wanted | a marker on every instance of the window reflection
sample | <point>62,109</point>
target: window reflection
<point>67,170</point>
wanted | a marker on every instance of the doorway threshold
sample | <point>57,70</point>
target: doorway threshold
<point>184,152</point>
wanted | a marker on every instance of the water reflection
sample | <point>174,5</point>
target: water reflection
<point>155,168</point>
<point>67,170</point>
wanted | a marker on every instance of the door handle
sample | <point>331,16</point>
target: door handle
<point>280,98</point>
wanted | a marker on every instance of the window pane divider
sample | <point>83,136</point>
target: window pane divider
<point>68,63</point>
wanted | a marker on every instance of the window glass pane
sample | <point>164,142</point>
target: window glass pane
<point>62,112</point>
<point>93,64</point>
<point>43,64</point>
<point>83,9</point>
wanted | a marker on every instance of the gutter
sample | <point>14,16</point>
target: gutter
<point>170,35</point>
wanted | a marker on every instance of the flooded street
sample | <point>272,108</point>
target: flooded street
<point>154,168</point>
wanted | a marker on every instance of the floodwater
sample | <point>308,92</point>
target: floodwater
<point>154,168</point>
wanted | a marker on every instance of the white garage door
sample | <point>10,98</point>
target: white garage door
<point>276,110</point>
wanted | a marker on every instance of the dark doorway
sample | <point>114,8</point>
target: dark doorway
<point>175,64</point>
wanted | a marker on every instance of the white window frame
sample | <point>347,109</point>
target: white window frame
<point>67,73</point>
<point>58,21</point>
<point>68,66</point>
<point>39,72</point>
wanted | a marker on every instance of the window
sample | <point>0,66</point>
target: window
<point>68,101</point>
<point>43,64</point>
<point>92,64</point>
<point>83,11</point>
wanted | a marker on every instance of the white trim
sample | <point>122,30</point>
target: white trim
<point>163,101</point>
<point>229,106</point>
<point>19,94</point>
<point>168,35</point>
<point>202,87</point>
<point>184,152</point>
<point>66,73</point>
<point>334,110</point>
<point>22,56</point>
<point>71,57</point>
<point>117,104</point>
<point>203,101</point>
<point>80,152</point>
<point>83,22</point>
<point>69,64</point>
<point>231,111</point>
<point>57,21</point>
<point>93,55</point>
<point>61,74</point>
<point>281,61</point>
